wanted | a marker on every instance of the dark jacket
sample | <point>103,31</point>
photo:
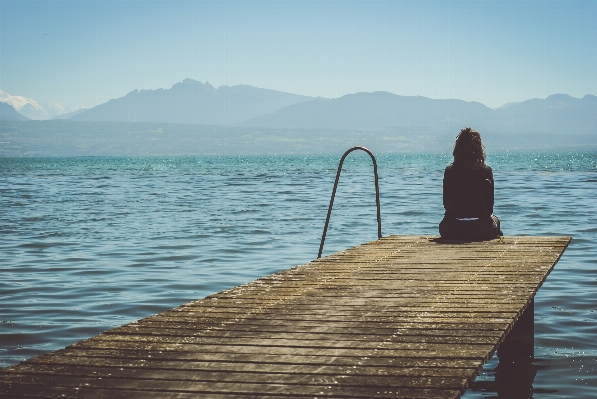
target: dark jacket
<point>468,193</point>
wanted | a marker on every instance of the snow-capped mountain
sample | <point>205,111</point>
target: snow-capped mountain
<point>32,109</point>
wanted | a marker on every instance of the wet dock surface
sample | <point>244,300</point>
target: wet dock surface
<point>404,316</point>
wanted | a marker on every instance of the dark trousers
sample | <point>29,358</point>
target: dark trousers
<point>478,229</point>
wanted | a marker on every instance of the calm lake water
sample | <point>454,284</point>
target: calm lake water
<point>87,244</point>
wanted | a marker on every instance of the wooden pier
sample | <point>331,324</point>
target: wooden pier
<point>406,317</point>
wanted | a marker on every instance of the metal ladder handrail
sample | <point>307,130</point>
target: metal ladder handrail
<point>327,220</point>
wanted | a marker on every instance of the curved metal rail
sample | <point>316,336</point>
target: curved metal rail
<point>327,220</point>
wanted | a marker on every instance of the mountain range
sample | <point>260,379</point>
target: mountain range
<point>191,101</point>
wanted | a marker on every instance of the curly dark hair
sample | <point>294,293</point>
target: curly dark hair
<point>468,149</point>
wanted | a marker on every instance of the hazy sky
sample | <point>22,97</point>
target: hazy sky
<point>87,52</point>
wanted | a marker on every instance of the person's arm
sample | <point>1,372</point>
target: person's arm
<point>491,190</point>
<point>447,188</point>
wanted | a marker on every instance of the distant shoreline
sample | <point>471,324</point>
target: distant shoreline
<point>70,138</point>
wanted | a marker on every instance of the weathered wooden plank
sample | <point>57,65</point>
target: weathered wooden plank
<point>106,366</point>
<point>399,323</point>
<point>356,330</point>
<point>217,344</point>
<point>460,319</point>
<point>109,355</point>
<point>399,317</point>
<point>405,341</point>
<point>475,337</point>
<point>227,306</point>
<point>448,351</point>
<point>218,390</point>
<point>197,380</point>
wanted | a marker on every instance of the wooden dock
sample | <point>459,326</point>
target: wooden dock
<point>407,317</point>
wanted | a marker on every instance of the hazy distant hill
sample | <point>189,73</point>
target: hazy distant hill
<point>381,110</point>
<point>191,101</point>
<point>8,113</point>
<point>557,113</point>
<point>378,110</point>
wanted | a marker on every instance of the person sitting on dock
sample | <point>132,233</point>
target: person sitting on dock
<point>468,192</point>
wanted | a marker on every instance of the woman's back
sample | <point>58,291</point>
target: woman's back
<point>468,192</point>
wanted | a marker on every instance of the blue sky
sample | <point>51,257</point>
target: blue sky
<point>87,52</point>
